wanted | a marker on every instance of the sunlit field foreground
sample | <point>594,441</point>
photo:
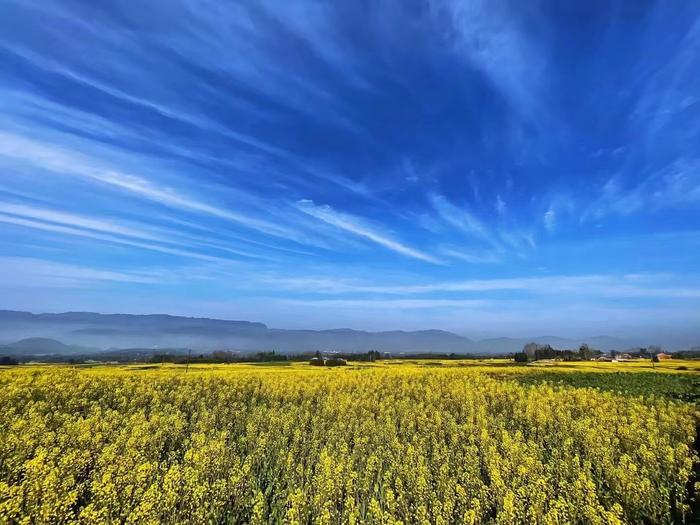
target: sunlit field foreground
<point>394,442</point>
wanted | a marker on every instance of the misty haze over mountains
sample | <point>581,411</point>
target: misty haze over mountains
<point>78,331</point>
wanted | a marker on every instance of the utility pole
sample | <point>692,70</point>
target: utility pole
<point>187,366</point>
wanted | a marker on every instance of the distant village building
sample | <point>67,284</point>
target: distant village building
<point>663,355</point>
<point>327,361</point>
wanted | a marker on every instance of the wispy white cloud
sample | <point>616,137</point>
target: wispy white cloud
<point>613,200</point>
<point>68,230</point>
<point>28,110</point>
<point>517,239</point>
<point>40,273</point>
<point>360,228</point>
<point>500,206</point>
<point>604,286</point>
<point>459,217</point>
<point>550,219</point>
<point>495,42</point>
<point>78,221</point>
<point>464,220</point>
<point>119,228</point>
<point>561,206</point>
<point>66,162</point>
<point>174,113</point>
<point>677,184</point>
<point>384,304</point>
<point>669,88</point>
<point>473,257</point>
<point>317,25</point>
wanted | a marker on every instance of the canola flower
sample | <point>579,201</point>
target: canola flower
<point>391,445</point>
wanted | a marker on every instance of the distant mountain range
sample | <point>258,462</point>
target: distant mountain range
<point>83,332</point>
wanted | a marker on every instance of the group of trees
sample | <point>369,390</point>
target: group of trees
<point>645,353</point>
<point>371,356</point>
<point>693,353</point>
<point>535,352</point>
<point>221,356</point>
<point>226,356</point>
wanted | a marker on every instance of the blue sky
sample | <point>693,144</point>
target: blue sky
<point>492,168</point>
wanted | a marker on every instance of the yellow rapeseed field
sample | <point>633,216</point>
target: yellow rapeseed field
<point>411,442</point>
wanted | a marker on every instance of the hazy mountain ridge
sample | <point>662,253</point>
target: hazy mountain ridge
<point>77,331</point>
<point>42,346</point>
